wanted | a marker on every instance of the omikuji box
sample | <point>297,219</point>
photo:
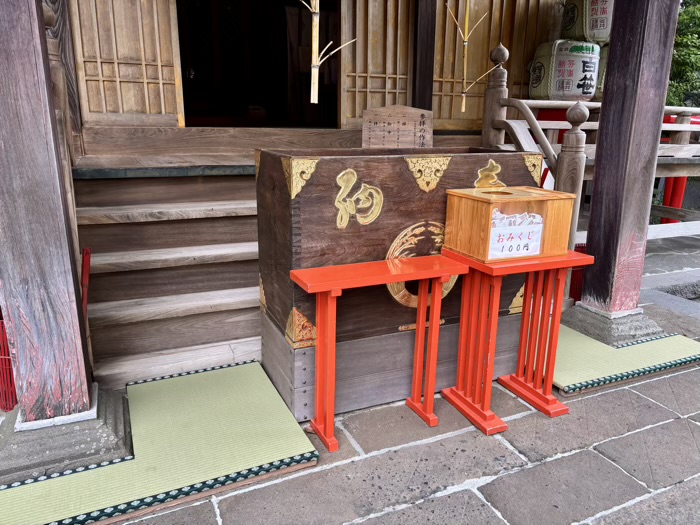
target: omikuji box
<point>492,224</point>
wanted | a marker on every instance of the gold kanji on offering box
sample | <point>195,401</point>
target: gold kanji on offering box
<point>498,223</point>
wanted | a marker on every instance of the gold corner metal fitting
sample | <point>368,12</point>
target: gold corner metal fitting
<point>533,162</point>
<point>427,170</point>
<point>300,332</point>
<point>297,172</point>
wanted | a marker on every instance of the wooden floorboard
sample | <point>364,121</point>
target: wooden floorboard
<point>115,372</point>
<point>154,308</point>
<point>165,212</point>
<point>169,257</point>
<point>162,334</point>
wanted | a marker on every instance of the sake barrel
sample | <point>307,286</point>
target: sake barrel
<point>601,73</point>
<point>564,70</point>
<point>589,20</point>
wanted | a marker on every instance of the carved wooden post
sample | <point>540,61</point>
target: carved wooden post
<point>571,162</point>
<point>38,279</point>
<point>496,89</point>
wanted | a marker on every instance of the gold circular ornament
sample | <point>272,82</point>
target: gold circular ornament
<point>422,238</point>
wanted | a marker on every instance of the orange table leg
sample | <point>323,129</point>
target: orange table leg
<point>533,378</point>
<point>422,400</point>
<point>323,423</point>
<point>478,331</point>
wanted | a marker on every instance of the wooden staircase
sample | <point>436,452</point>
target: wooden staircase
<point>174,273</point>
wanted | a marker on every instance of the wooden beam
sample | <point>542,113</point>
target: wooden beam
<point>39,293</point>
<point>424,53</point>
<point>628,139</point>
<point>677,214</point>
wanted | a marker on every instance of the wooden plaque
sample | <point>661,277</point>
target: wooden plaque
<point>397,127</point>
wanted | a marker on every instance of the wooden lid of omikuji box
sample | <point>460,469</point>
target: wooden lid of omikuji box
<point>506,193</point>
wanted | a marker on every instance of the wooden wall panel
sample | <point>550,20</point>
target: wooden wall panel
<point>521,25</point>
<point>127,62</point>
<point>376,68</point>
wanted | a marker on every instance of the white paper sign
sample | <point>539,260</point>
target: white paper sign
<point>508,242</point>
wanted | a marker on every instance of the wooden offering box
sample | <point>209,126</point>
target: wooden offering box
<point>329,207</point>
<point>492,224</point>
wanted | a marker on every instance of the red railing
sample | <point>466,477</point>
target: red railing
<point>8,393</point>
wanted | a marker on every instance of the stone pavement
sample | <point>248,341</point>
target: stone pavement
<point>628,454</point>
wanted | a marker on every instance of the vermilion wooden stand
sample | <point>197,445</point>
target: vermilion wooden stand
<point>328,284</point>
<point>539,335</point>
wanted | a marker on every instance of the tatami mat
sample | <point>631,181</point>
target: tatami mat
<point>583,362</point>
<point>191,433</point>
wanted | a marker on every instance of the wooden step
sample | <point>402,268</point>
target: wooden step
<point>171,306</point>
<point>115,372</point>
<point>175,280</point>
<point>121,237</point>
<point>165,212</point>
<point>162,334</point>
<point>170,257</point>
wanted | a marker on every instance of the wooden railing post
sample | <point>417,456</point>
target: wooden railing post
<point>571,163</point>
<point>496,90</point>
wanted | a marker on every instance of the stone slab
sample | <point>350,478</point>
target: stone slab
<point>346,450</point>
<point>672,321</point>
<point>54,449</point>
<point>658,456</point>
<point>458,508</point>
<point>672,255</point>
<point>662,280</point>
<point>672,302</point>
<point>561,491</point>
<point>399,424</point>
<point>611,331</point>
<point>198,514</point>
<point>358,489</point>
<point>676,506</point>
<point>589,421</point>
<point>679,392</point>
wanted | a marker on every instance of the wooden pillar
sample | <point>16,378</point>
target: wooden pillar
<point>628,138</point>
<point>496,89</point>
<point>571,163</point>
<point>423,54</point>
<point>39,293</point>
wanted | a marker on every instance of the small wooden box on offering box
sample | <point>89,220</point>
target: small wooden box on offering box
<point>492,224</point>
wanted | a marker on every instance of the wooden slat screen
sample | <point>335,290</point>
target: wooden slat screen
<point>376,68</point>
<point>520,24</point>
<point>128,62</point>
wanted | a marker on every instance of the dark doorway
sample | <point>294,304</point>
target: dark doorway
<point>246,63</point>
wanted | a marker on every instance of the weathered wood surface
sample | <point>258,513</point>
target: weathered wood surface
<point>659,231</point>
<point>167,234</point>
<point>308,231</point>
<point>138,283</point>
<point>674,213</point>
<point>149,336</point>
<point>38,280</point>
<point>128,62</point>
<point>165,212</point>
<point>496,90</point>
<point>423,53</point>
<point>371,370</point>
<point>148,191</point>
<point>171,306</point>
<point>60,31</point>
<point>630,129</point>
<point>171,257</point>
<point>397,127</point>
<point>115,372</point>
<point>122,147</point>
<point>571,164</point>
